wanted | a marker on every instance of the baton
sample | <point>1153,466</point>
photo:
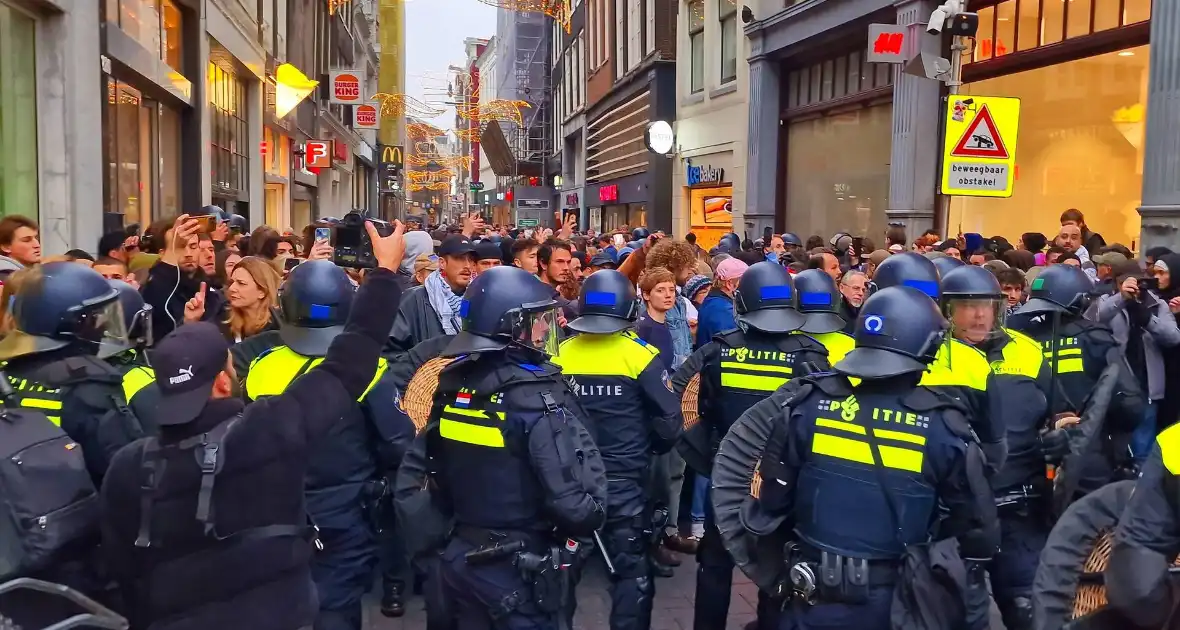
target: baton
<point>610,566</point>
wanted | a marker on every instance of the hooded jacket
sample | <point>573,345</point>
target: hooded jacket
<point>9,264</point>
<point>1159,332</point>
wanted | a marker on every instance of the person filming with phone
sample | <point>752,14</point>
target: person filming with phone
<point>1145,328</point>
<point>177,276</point>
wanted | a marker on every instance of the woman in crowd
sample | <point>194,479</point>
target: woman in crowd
<point>1167,266</point>
<point>227,259</point>
<point>252,296</point>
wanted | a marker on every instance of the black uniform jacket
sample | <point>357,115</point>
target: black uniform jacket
<point>185,580</point>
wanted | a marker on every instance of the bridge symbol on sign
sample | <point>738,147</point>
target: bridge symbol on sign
<point>981,139</point>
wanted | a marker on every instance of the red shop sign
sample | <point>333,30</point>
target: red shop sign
<point>609,193</point>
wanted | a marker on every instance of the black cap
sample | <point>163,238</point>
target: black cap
<point>487,250</point>
<point>187,361</point>
<point>457,245</point>
<point>602,259</point>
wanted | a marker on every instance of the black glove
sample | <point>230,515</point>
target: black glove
<point>1139,312</point>
<point>1055,444</point>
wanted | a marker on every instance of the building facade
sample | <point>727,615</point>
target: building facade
<point>709,178</point>
<point>631,82</point>
<point>837,143</point>
<point>568,128</point>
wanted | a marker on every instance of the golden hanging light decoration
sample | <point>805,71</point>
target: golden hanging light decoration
<point>439,186</point>
<point>500,110</point>
<point>470,134</point>
<point>424,177</point>
<point>415,187</point>
<point>333,5</point>
<point>423,131</point>
<point>559,10</point>
<point>397,105</point>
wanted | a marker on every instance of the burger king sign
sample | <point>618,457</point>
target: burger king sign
<point>346,87</point>
<point>365,117</point>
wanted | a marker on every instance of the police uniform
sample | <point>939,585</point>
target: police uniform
<point>633,415</point>
<point>1139,585</point>
<point>512,462</point>
<point>346,478</point>
<point>740,369</point>
<point>859,477</point>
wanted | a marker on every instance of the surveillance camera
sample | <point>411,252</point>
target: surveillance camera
<point>938,18</point>
<point>747,15</point>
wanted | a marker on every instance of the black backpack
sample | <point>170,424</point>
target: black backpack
<point>48,502</point>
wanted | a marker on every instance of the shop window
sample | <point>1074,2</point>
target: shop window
<point>727,14</point>
<point>1005,28</point>
<point>827,77</point>
<point>840,79</point>
<point>171,41</point>
<point>170,204</point>
<point>1136,11</point>
<point>696,43</point>
<point>18,115</point>
<point>1077,21</point>
<point>1028,25</point>
<point>1080,146</point>
<point>227,100</point>
<point>830,188</point>
<point>124,169</point>
<point>1052,22</point>
<point>854,70</point>
<point>1106,14</point>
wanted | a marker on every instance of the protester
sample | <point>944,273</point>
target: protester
<point>657,289</point>
<point>524,254</point>
<point>853,291</point>
<point>716,314</point>
<point>20,243</point>
<point>1092,241</point>
<point>1014,286</point>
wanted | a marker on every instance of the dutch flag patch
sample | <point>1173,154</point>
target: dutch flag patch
<point>463,400</point>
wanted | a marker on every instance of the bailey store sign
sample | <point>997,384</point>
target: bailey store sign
<point>704,174</point>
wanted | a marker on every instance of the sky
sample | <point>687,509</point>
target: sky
<point>435,30</point>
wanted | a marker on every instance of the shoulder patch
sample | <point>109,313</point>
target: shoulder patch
<point>667,381</point>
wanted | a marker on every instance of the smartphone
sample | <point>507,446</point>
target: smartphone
<point>323,234</point>
<point>208,223</point>
<point>1148,284</point>
<point>291,263</point>
<point>858,246</point>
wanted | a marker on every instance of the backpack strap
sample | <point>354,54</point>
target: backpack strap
<point>208,448</point>
<point>151,467</point>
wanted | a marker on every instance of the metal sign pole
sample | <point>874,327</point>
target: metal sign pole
<point>954,83</point>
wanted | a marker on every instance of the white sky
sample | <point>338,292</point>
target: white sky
<point>435,30</point>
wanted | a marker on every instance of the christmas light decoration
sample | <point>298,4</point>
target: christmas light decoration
<point>423,131</point>
<point>335,4</point>
<point>471,134</point>
<point>396,105</point>
<point>559,10</point>
<point>499,110</point>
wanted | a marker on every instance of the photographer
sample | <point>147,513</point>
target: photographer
<point>177,277</point>
<point>1143,326</point>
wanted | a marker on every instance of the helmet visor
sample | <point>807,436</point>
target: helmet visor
<point>103,325</point>
<point>975,320</point>
<point>140,329</point>
<point>539,329</point>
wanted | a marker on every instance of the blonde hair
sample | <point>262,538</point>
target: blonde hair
<point>262,272</point>
<point>12,287</point>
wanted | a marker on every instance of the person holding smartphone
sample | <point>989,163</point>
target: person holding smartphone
<point>1145,329</point>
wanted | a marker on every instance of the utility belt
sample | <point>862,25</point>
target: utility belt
<point>545,569</point>
<point>833,578</point>
<point>1021,501</point>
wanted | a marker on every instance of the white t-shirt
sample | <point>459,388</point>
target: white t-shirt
<point>690,311</point>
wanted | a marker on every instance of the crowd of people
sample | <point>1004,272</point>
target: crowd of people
<point>288,376</point>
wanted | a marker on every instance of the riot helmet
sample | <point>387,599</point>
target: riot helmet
<point>908,269</point>
<point>640,234</point>
<point>790,239</point>
<point>817,297</point>
<point>897,332</point>
<point>764,299</point>
<point>137,314</point>
<point>64,304</point>
<point>315,302</point>
<point>507,306</point>
<point>973,304</point>
<point>946,264</point>
<point>730,243</point>
<point>607,304</point>
<point>1059,289</point>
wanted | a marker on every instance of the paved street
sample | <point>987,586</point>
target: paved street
<point>673,608</point>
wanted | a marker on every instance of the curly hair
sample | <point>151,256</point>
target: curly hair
<point>675,256</point>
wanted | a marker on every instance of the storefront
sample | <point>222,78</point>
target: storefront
<point>304,189</point>
<point>228,94</point>
<point>1081,72</point>
<point>18,104</point>
<point>708,194</point>
<point>838,118</point>
<point>276,161</point>
<point>619,203</point>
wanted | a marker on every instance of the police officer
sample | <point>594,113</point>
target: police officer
<point>515,465</point>
<point>346,478</point>
<point>1078,351</point>
<point>794,247</point>
<point>817,297</point>
<point>137,318</point>
<point>946,264</point>
<point>740,368</point>
<point>975,305</point>
<point>835,479</point>
<point>68,320</point>
<point>633,415</point>
<point>729,243</point>
<point>1139,583</point>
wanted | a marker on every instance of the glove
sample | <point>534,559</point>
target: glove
<point>1139,313</point>
<point>1055,444</point>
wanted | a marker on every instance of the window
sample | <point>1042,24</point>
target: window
<point>155,24</point>
<point>696,43</point>
<point>727,14</point>
<point>1019,25</point>
<point>230,164</point>
<point>18,114</point>
<point>620,38</point>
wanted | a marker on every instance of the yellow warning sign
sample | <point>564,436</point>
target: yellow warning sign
<point>979,146</point>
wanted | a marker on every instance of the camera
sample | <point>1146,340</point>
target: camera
<point>941,15</point>
<point>351,242</point>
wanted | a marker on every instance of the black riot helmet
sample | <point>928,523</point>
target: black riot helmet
<point>973,303</point>
<point>897,332</point>
<point>137,314</point>
<point>730,244</point>
<point>764,299</point>
<point>315,302</point>
<point>607,304</point>
<point>640,233</point>
<point>908,269</point>
<point>790,239</point>
<point>817,297</point>
<point>946,264</point>
<point>1059,289</point>
<point>64,304</point>
<point>506,306</point>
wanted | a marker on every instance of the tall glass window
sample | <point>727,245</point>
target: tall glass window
<point>727,14</point>
<point>227,98</point>
<point>18,115</point>
<point>696,43</point>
